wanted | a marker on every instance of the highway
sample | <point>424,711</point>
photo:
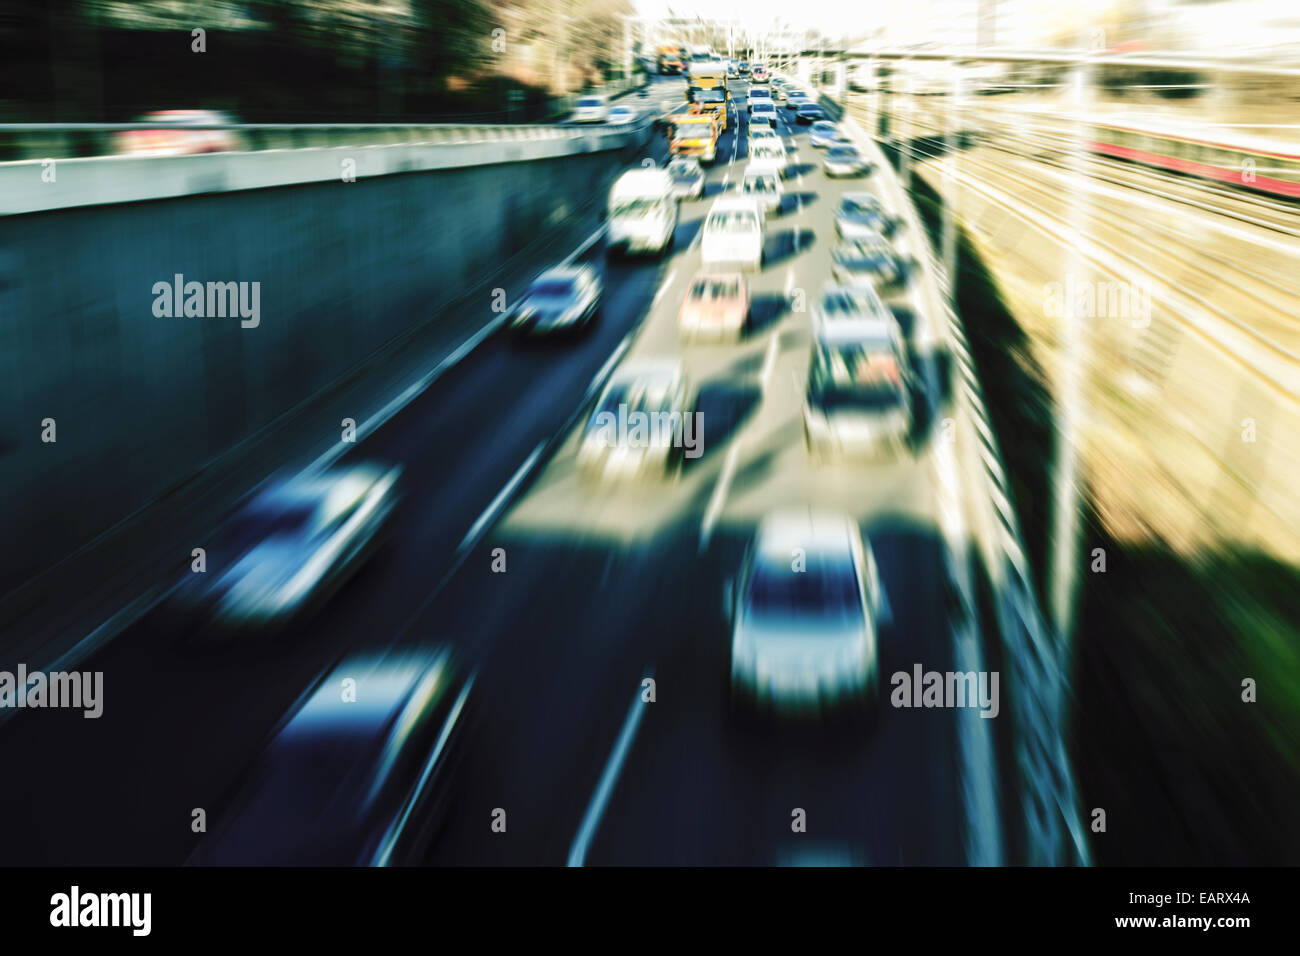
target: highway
<point>604,585</point>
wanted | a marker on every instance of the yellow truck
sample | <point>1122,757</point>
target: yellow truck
<point>708,89</point>
<point>695,134</point>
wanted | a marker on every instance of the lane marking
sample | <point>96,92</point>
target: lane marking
<point>608,780</point>
<point>664,288</point>
<point>716,500</point>
<point>476,530</point>
<point>769,361</point>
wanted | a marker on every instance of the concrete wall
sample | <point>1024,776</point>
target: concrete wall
<point>142,402</point>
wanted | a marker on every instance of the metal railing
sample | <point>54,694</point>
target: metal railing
<point>39,141</point>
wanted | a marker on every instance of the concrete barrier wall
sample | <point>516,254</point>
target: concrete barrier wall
<point>141,402</point>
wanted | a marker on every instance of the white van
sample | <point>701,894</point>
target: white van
<point>762,183</point>
<point>733,233</point>
<point>642,212</point>
<point>590,109</point>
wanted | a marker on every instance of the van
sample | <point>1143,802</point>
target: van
<point>590,109</point>
<point>642,212</point>
<point>733,233</point>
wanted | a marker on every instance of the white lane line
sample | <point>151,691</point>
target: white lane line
<point>610,362</point>
<point>719,496</point>
<point>608,780</point>
<point>124,617</point>
<point>476,530</point>
<point>769,361</point>
<point>789,280</point>
<point>664,288</point>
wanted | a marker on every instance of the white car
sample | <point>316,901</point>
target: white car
<point>559,300</point>
<point>590,109</point>
<point>762,182</point>
<point>770,151</point>
<point>763,109</point>
<point>641,426</point>
<point>621,115</point>
<point>292,544</point>
<point>733,233</point>
<point>848,303</point>
<point>804,612</point>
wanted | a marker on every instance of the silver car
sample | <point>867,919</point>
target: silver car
<point>642,425</point>
<point>804,613</point>
<point>292,544</point>
<point>559,300</point>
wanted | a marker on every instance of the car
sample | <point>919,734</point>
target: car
<point>642,211</point>
<point>290,545</point>
<point>642,426</point>
<point>762,131</point>
<point>759,122</point>
<point>687,176</point>
<point>716,306</point>
<point>175,134</point>
<point>867,259</point>
<point>762,182</point>
<point>771,151</point>
<point>844,160</point>
<point>809,113</point>
<point>758,74</point>
<point>756,98</point>
<point>843,303</point>
<point>795,99</point>
<point>559,300</point>
<point>765,111</point>
<point>744,68</point>
<point>805,610</point>
<point>824,133</point>
<point>590,109</point>
<point>358,773</point>
<point>859,397</point>
<point>733,233</point>
<point>862,214</point>
<point>621,115</point>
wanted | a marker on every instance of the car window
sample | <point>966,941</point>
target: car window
<point>589,102</point>
<point>709,289</point>
<point>732,220</point>
<point>826,588</point>
<point>553,289</point>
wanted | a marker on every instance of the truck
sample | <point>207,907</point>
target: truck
<point>708,88</point>
<point>642,212</point>
<point>670,61</point>
<point>695,134</point>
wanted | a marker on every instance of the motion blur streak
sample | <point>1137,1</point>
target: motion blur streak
<point>785,348</point>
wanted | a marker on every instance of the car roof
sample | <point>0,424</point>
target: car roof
<point>563,272</point>
<point>327,488</point>
<point>384,686</point>
<point>729,203</point>
<point>858,331</point>
<point>781,532</point>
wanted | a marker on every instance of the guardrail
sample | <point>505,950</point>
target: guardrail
<point>1038,658</point>
<point>40,141</point>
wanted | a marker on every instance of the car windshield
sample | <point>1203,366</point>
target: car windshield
<point>712,289</point>
<point>841,303</point>
<point>732,220</point>
<point>864,377</point>
<point>826,588</point>
<point>684,171</point>
<point>870,247</point>
<point>552,289</point>
<point>843,153</point>
<point>635,207</point>
<point>859,207</point>
<point>588,101</point>
<point>620,111</point>
<point>823,127</point>
<point>643,395</point>
<point>760,184</point>
<point>262,520</point>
